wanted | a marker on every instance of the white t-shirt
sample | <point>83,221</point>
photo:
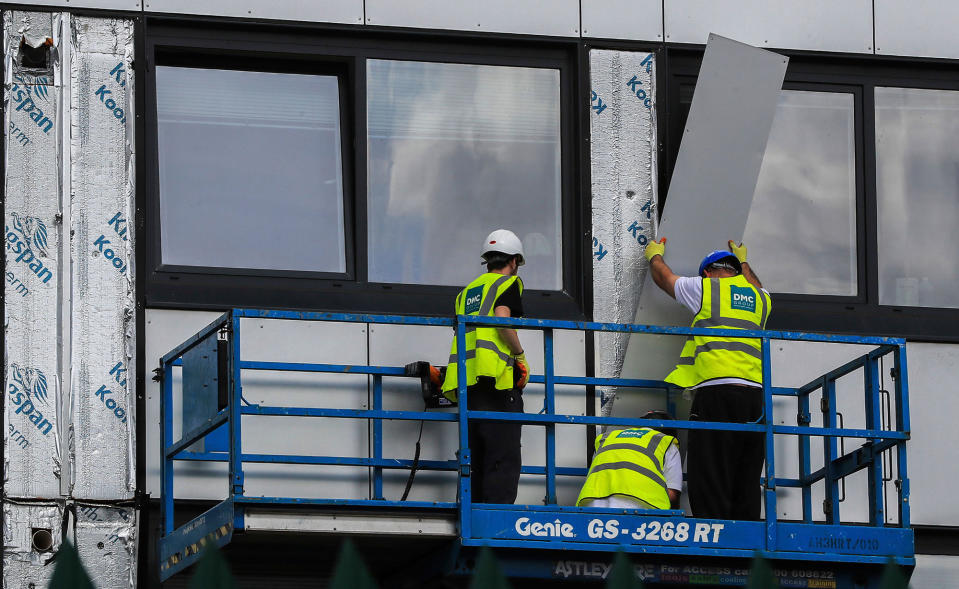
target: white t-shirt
<point>689,293</point>
<point>672,469</point>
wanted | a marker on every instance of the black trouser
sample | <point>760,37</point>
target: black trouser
<point>723,468</point>
<point>494,445</point>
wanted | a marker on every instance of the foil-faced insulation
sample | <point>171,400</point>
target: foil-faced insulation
<point>34,268</point>
<point>31,537</point>
<point>107,543</point>
<point>101,247</point>
<point>624,194</point>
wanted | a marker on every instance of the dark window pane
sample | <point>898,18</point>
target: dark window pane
<point>456,151</point>
<point>801,230</point>
<point>917,193</point>
<point>250,170</point>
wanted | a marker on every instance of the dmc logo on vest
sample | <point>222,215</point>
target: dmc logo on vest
<point>473,298</point>
<point>742,298</point>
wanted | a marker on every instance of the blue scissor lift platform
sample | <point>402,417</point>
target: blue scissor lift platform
<point>556,541</point>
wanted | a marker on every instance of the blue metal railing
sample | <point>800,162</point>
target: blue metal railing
<point>504,525</point>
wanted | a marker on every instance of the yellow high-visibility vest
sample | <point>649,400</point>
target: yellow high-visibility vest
<point>486,352</point>
<point>728,303</point>
<point>629,462</point>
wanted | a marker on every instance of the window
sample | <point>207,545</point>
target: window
<point>456,150</point>
<point>917,189</point>
<point>251,174</point>
<point>356,173</point>
<point>856,203</point>
<point>801,229</point>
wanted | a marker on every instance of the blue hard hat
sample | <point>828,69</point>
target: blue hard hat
<point>720,256</point>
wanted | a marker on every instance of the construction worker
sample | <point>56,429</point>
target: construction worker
<point>722,468</point>
<point>496,369</point>
<point>635,468</point>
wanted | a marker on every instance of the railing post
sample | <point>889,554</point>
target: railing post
<point>902,425</point>
<point>464,452</point>
<point>377,436</point>
<point>830,450</point>
<point>805,464</point>
<point>236,395</point>
<point>549,390</point>
<point>874,421</point>
<point>166,439</point>
<point>770,490</point>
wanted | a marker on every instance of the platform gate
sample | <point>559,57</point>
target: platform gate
<point>212,377</point>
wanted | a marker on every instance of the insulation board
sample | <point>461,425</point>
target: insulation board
<point>24,567</point>
<point>624,193</point>
<point>34,269</point>
<point>101,246</point>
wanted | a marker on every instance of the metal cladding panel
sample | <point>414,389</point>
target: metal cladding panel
<point>32,226</point>
<point>920,29</point>
<point>398,345</point>
<point>933,405</point>
<point>712,184</point>
<point>640,20</point>
<point>624,194</point>
<point>531,17</point>
<point>24,567</point>
<point>104,4</point>
<point>814,25</point>
<point>107,543</point>
<point>103,302</point>
<point>333,11</point>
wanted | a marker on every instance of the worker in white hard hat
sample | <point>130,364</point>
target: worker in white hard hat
<point>496,369</point>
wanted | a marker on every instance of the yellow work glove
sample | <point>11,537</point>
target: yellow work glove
<point>738,250</point>
<point>520,371</point>
<point>656,248</point>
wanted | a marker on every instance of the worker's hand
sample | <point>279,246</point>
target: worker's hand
<point>656,248</point>
<point>520,370</point>
<point>738,250</point>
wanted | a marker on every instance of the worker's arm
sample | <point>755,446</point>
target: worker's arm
<point>508,334</point>
<point>663,275</point>
<point>674,496</point>
<point>740,252</point>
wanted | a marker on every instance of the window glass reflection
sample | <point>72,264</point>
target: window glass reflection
<point>917,190</point>
<point>455,151</point>
<point>250,170</point>
<point>801,230</point>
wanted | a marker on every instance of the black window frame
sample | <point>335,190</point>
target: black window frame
<point>860,314</point>
<point>343,52</point>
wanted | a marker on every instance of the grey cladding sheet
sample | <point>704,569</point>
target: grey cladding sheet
<point>712,184</point>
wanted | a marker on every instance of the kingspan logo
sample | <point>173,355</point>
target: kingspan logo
<point>28,243</point>
<point>27,389</point>
<point>23,93</point>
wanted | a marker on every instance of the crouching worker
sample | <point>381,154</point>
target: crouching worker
<point>636,468</point>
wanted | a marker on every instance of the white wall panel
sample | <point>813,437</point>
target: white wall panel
<point>531,17</point>
<point>815,25</point>
<point>935,571</point>
<point>104,4</point>
<point>335,11</point>
<point>641,20</point>
<point>921,28</point>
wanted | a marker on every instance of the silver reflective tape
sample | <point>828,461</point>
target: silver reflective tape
<point>490,297</point>
<point>686,361</point>
<point>470,354</point>
<point>732,323</point>
<point>765,302</point>
<point>655,477</point>
<point>491,346</point>
<point>647,452</point>
<point>730,346</point>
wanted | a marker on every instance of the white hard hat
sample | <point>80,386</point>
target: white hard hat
<point>504,241</point>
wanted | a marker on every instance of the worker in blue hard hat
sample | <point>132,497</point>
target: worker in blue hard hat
<point>725,375</point>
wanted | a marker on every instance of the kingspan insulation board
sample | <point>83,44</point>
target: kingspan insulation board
<point>624,193</point>
<point>713,182</point>
<point>101,245</point>
<point>24,567</point>
<point>107,543</point>
<point>34,267</point>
